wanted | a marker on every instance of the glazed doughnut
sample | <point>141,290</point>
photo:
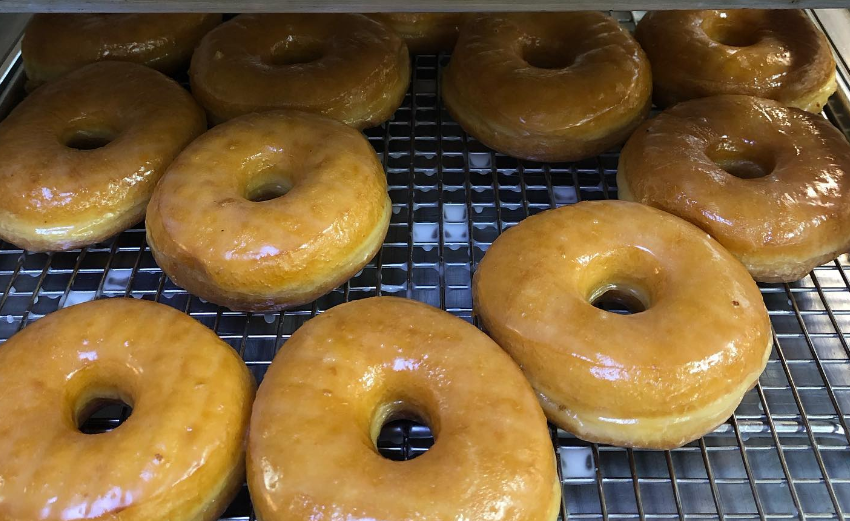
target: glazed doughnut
<point>776,54</point>
<point>425,33</point>
<point>345,66</point>
<point>180,454</point>
<point>285,206</point>
<point>343,375</point>
<point>653,379</point>
<point>56,44</point>
<point>770,183</point>
<point>547,86</point>
<point>81,156</point>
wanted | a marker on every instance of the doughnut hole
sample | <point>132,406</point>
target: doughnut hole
<point>626,281</point>
<point>268,185</point>
<point>730,32</point>
<point>86,135</point>
<point>742,158</point>
<point>548,54</point>
<point>103,414</point>
<point>295,51</point>
<point>100,399</point>
<point>623,300</point>
<point>401,432</point>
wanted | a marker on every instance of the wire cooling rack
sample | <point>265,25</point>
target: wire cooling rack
<point>784,454</point>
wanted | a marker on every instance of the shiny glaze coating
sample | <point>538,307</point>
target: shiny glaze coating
<point>425,33</point>
<point>656,379</point>
<point>56,44</point>
<point>345,66</point>
<point>547,86</point>
<point>180,454</point>
<point>780,225</point>
<point>210,237</point>
<point>344,374</point>
<point>57,197</point>
<point>776,54</point>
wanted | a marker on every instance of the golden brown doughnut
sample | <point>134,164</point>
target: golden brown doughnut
<point>656,379</point>
<point>180,454</point>
<point>777,54</point>
<point>547,86</point>
<point>56,44</point>
<point>220,225</point>
<point>425,33</point>
<point>312,444</point>
<point>345,66</point>
<point>770,183</point>
<point>81,156</point>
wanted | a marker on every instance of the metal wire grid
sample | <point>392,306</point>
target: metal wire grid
<point>784,454</point>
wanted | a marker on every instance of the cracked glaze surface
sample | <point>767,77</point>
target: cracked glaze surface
<point>777,54</point>
<point>780,225</point>
<point>58,197</point>
<point>311,449</point>
<point>178,456</point>
<point>55,44</point>
<point>211,239</point>
<point>556,111</point>
<point>345,66</point>
<point>656,379</point>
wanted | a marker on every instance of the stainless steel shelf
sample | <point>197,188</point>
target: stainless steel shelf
<point>785,454</point>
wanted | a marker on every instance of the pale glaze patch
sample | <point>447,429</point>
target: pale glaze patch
<point>547,114</point>
<point>179,456</point>
<point>57,197</point>
<point>654,379</point>
<point>346,66</point>
<point>311,450</point>
<point>55,44</point>
<point>425,33</point>
<point>777,54</point>
<point>780,226</point>
<point>247,255</point>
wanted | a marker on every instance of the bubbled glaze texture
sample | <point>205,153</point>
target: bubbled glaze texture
<point>558,113</point>
<point>425,33</point>
<point>55,44</point>
<point>211,239</point>
<point>345,66</point>
<point>311,449</point>
<point>777,54</point>
<point>58,197</point>
<point>180,454</point>
<point>781,225</point>
<point>657,379</point>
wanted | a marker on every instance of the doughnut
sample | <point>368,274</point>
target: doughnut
<point>81,155</point>
<point>345,66</point>
<point>547,86</point>
<point>770,183</point>
<point>776,54</point>
<point>698,338</point>
<point>56,44</point>
<point>180,454</point>
<point>269,211</point>
<point>425,33</point>
<point>343,375</point>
